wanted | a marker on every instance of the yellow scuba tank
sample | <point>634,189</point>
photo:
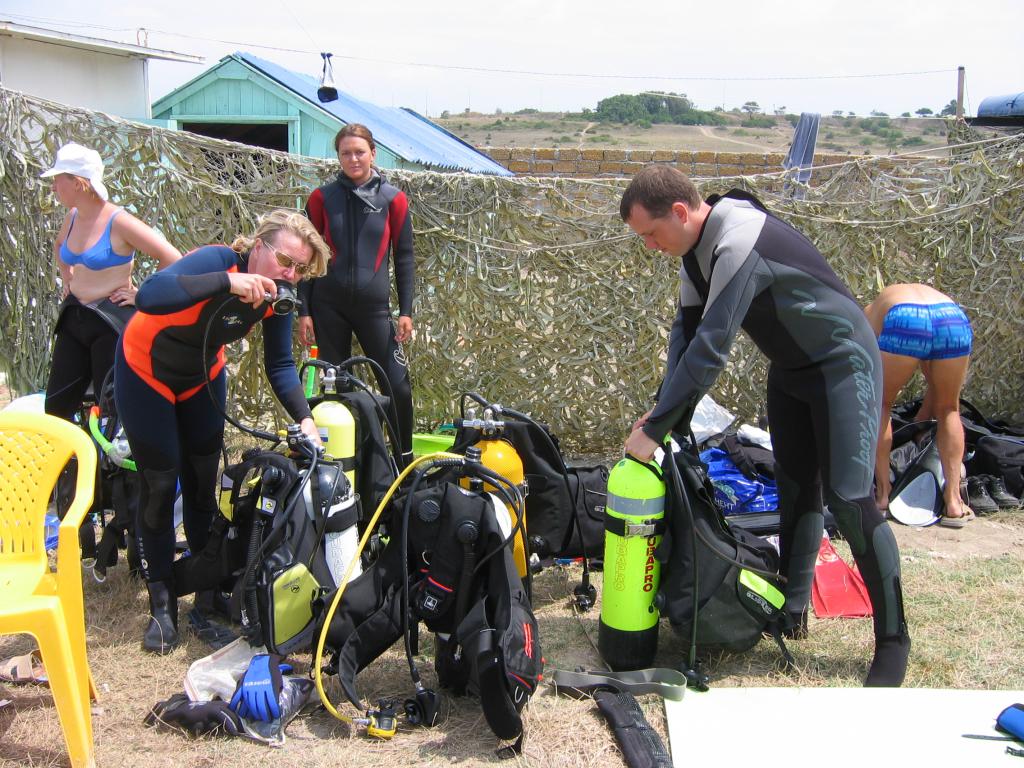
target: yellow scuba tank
<point>498,455</point>
<point>337,430</point>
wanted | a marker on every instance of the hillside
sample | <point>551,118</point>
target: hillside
<point>844,135</point>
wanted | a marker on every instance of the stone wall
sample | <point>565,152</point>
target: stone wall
<point>626,162</point>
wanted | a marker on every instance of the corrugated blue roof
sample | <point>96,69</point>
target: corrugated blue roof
<point>408,134</point>
<point>1011,105</point>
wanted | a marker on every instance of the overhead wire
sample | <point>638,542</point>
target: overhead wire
<point>506,71</point>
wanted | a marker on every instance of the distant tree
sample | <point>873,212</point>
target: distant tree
<point>654,104</point>
<point>949,109</point>
<point>793,119</point>
<point>780,111</point>
<point>851,114</point>
<point>905,114</point>
<point>924,112</point>
<point>751,107</point>
<point>623,108</point>
<point>876,113</point>
<point>498,111</point>
<point>678,104</point>
<point>466,111</point>
<point>445,115</point>
<point>837,113</point>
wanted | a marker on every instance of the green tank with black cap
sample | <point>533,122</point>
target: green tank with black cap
<point>634,524</point>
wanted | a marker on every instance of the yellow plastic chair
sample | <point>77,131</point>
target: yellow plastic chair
<point>48,605</point>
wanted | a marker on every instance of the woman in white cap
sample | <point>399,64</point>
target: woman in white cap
<point>95,251</point>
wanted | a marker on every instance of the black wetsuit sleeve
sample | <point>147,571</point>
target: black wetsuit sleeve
<point>402,252</point>
<point>280,365</point>
<point>735,280</point>
<point>684,327</point>
<point>200,275</point>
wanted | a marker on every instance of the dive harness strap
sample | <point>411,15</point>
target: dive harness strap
<point>776,627</point>
<point>667,683</point>
<point>641,745</point>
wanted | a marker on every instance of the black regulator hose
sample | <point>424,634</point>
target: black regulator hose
<point>694,677</point>
<point>584,593</point>
<point>390,420</point>
<point>257,433</point>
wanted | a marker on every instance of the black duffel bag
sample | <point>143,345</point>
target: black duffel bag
<point>1000,456</point>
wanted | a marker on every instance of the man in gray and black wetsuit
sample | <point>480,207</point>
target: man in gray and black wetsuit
<point>742,267</point>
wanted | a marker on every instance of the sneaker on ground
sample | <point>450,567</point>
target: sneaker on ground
<point>977,496</point>
<point>997,491</point>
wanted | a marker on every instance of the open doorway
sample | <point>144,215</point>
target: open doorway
<point>266,135</point>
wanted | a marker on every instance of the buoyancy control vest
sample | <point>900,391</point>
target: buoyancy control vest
<point>451,547</point>
<point>269,545</point>
<point>725,574</point>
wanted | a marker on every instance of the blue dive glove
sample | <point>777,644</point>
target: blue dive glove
<point>256,697</point>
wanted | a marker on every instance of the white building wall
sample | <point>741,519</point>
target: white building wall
<point>80,78</point>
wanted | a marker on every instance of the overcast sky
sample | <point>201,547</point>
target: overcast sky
<point>804,55</point>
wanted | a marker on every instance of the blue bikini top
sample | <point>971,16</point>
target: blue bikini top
<point>99,256</point>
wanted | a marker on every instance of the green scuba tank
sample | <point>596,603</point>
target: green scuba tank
<point>635,513</point>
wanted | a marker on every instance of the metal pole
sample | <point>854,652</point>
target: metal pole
<point>959,93</point>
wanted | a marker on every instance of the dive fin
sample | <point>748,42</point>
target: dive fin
<point>916,498</point>
<point>838,591</point>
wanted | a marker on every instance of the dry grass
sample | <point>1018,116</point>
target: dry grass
<point>962,598</point>
<point>552,129</point>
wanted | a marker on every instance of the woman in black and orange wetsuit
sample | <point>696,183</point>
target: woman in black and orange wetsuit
<point>174,426</point>
<point>362,218</point>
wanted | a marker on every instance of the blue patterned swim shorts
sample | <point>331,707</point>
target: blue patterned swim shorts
<point>926,331</point>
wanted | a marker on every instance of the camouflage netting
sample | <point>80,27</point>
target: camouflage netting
<point>530,291</point>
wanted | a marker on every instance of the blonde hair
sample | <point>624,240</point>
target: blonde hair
<point>296,223</point>
<point>84,185</point>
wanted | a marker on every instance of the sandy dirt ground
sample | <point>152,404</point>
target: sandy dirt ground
<point>982,537</point>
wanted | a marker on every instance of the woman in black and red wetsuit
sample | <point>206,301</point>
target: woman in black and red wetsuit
<point>161,371</point>
<point>362,218</point>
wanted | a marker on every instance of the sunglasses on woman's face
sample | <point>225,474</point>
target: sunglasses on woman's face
<point>286,261</point>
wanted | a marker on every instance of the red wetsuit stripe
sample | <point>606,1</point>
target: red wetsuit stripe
<point>397,212</point>
<point>318,216</point>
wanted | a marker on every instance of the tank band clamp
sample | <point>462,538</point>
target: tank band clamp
<point>621,528</point>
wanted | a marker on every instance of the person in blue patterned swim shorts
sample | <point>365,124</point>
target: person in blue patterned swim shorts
<point>919,327</point>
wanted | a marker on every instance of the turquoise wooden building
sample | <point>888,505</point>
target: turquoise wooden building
<point>253,101</point>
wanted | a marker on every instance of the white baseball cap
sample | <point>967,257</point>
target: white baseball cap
<point>80,161</point>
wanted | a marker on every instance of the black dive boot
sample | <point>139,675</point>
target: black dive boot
<point>161,635</point>
<point>889,666</point>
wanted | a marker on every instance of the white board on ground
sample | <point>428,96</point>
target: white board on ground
<point>838,727</point>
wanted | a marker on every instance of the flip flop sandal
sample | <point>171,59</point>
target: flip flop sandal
<point>27,668</point>
<point>955,522</point>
